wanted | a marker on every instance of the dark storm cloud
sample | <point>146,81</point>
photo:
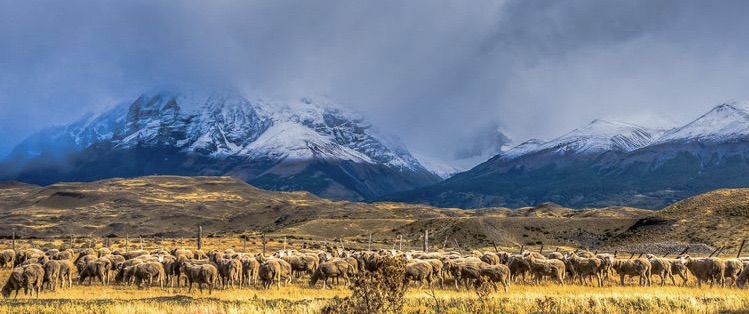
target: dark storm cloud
<point>431,72</point>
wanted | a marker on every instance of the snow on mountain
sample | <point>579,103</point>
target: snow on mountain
<point>226,123</point>
<point>725,122</point>
<point>523,148</point>
<point>598,136</point>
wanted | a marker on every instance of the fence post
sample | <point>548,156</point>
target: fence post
<point>141,241</point>
<point>369,247</point>
<point>127,242</point>
<point>71,241</point>
<point>426,240</point>
<point>200,237</point>
<point>284,243</point>
<point>400,242</point>
<point>264,242</point>
<point>741,247</point>
<point>13,241</point>
<point>244,244</point>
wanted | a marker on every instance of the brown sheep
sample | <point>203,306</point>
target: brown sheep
<point>678,268</point>
<point>14,283</point>
<point>464,270</point>
<point>64,255</point>
<point>733,268</point>
<point>585,268</point>
<point>94,269</point>
<point>331,269</point>
<point>147,272</point>
<point>743,277</point>
<point>541,268</point>
<point>518,267</point>
<point>419,271</point>
<point>230,271</point>
<point>250,268</point>
<point>437,270</point>
<point>7,259</point>
<point>66,272</point>
<point>633,267</point>
<point>274,270</point>
<point>490,258</point>
<point>662,268</point>
<point>133,254</point>
<point>301,263</point>
<point>51,274</point>
<point>201,274</point>
<point>497,273</point>
<point>33,275</point>
<point>705,269</point>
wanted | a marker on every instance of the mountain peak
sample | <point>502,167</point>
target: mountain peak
<point>724,122</point>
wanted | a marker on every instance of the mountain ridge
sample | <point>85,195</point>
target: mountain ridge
<point>224,133</point>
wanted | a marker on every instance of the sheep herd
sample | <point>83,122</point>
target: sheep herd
<point>34,270</point>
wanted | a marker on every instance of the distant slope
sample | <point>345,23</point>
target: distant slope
<point>173,206</point>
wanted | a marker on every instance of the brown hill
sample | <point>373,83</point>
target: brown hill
<point>173,206</point>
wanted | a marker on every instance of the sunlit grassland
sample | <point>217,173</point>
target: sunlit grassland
<point>299,298</point>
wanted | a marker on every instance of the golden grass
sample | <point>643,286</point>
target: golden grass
<point>298,298</point>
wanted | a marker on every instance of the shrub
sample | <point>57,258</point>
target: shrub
<point>380,293</point>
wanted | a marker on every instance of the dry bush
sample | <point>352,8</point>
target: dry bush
<point>380,293</point>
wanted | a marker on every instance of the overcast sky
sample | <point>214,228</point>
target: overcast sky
<point>428,71</point>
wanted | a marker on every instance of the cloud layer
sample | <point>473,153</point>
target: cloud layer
<point>432,72</point>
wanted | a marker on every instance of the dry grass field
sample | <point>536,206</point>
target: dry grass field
<point>298,298</point>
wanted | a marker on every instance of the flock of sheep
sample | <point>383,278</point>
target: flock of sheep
<point>34,270</point>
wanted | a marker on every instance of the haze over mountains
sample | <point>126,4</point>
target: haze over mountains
<point>607,163</point>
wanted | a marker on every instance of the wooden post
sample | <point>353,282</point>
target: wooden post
<point>444,244</point>
<point>741,247</point>
<point>541,251</point>
<point>496,250</point>
<point>200,237</point>
<point>91,240</point>
<point>264,242</point>
<point>284,243</point>
<point>106,242</point>
<point>13,241</point>
<point>369,247</point>
<point>400,242</point>
<point>127,242</point>
<point>341,241</point>
<point>557,249</point>
<point>70,243</point>
<point>522,248</point>
<point>426,241</point>
<point>31,242</point>
<point>141,241</point>
<point>244,244</point>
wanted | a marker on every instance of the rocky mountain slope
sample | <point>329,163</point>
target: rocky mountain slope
<point>607,163</point>
<point>308,144</point>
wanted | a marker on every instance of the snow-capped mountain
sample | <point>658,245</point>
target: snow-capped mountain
<point>726,122</point>
<point>608,163</point>
<point>278,145</point>
<point>598,136</point>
